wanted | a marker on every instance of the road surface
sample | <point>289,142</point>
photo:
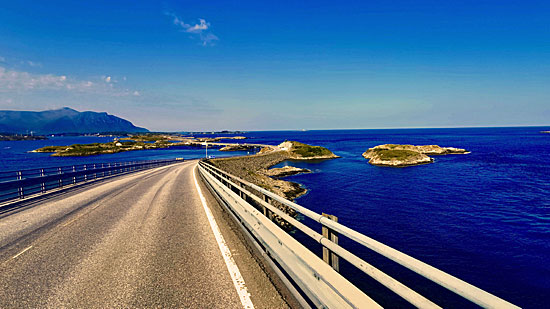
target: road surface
<point>139,240</point>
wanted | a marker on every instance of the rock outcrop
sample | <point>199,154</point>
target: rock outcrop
<point>301,151</point>
<point>285,171</point>
<point>406,155</point>
<point>255,168</point>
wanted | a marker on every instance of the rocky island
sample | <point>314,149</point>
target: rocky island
<point>81,150</point>
<point>143,141</point>
<point>545,132</point>
<point>255,168</point>
<point>285,171</point>
<point>406,155</point>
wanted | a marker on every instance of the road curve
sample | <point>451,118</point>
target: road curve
<point>140,240</point>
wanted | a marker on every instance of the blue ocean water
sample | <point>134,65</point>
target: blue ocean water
<point>15,155</point>
<point>483,217</point>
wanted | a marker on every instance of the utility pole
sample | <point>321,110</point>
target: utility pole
<point>206,144</point>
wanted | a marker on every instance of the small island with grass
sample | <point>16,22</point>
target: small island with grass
<point>406,155</point>
<point>300,151</point>
<point>256,168</point>
<point>144,141</point>
<point>81,150</point>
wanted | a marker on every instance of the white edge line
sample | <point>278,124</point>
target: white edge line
<point>238,280</point>
<point>24,250</point>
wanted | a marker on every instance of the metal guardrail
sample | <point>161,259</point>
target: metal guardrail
<point>16,185</point>
<point>319,281</point>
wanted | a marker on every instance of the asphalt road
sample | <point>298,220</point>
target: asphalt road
<point>139,240</point>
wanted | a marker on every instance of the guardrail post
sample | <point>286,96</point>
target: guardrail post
<point>60,177</point>
<point>95,173</point>
<point>43,184</point>
<point>241,193</point>
<point>328,256</point>
<point>267,212</point>
<point>20,191</point>
<point>85,173</point>
<point>74,177</point>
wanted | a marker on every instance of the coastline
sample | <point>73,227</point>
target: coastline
<point>257,168</point>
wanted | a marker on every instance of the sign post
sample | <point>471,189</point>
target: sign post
<point>206,144</point>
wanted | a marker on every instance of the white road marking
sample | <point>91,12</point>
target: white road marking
<point>24,250</point>
<point>238,280</point>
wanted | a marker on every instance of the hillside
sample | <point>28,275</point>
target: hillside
<point>64,120</point>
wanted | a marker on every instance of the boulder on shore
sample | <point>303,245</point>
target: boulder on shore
<point>406,155</point>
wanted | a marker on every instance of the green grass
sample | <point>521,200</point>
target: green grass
<point>386,154</point>
<point>308,151</point>
<point>99,148</point>
<point>51,148</point>
<point>148,137</point>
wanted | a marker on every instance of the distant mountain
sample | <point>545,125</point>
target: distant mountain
<point>64,120</point>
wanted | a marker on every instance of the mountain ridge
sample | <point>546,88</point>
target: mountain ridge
<point>63,120</point>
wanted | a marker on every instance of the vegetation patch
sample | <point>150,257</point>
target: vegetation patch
<point>396,154</point>
<point>80,150</point>
<point>149,137</point>
<point>307,151</point>
<point>406,155</point>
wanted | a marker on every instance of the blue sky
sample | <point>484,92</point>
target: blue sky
<point>251,65</point>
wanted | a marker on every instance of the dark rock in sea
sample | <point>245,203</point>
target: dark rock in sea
<point>285,171</point>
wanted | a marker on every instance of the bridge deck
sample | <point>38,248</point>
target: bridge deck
<point>140,240</point>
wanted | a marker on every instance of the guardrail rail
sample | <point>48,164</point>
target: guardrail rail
<point>320,280</point>
<point>17,185</point>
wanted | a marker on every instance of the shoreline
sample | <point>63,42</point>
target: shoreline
<point>258,168</point>
<point>145,142</point>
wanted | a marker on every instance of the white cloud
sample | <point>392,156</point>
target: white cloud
<point>200,30</point>
<point>207,39</point>
<point>34,64</point>
<point>12,81</point>
<point>199,27</point>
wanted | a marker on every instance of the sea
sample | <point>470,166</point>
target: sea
<point>483,217</point>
